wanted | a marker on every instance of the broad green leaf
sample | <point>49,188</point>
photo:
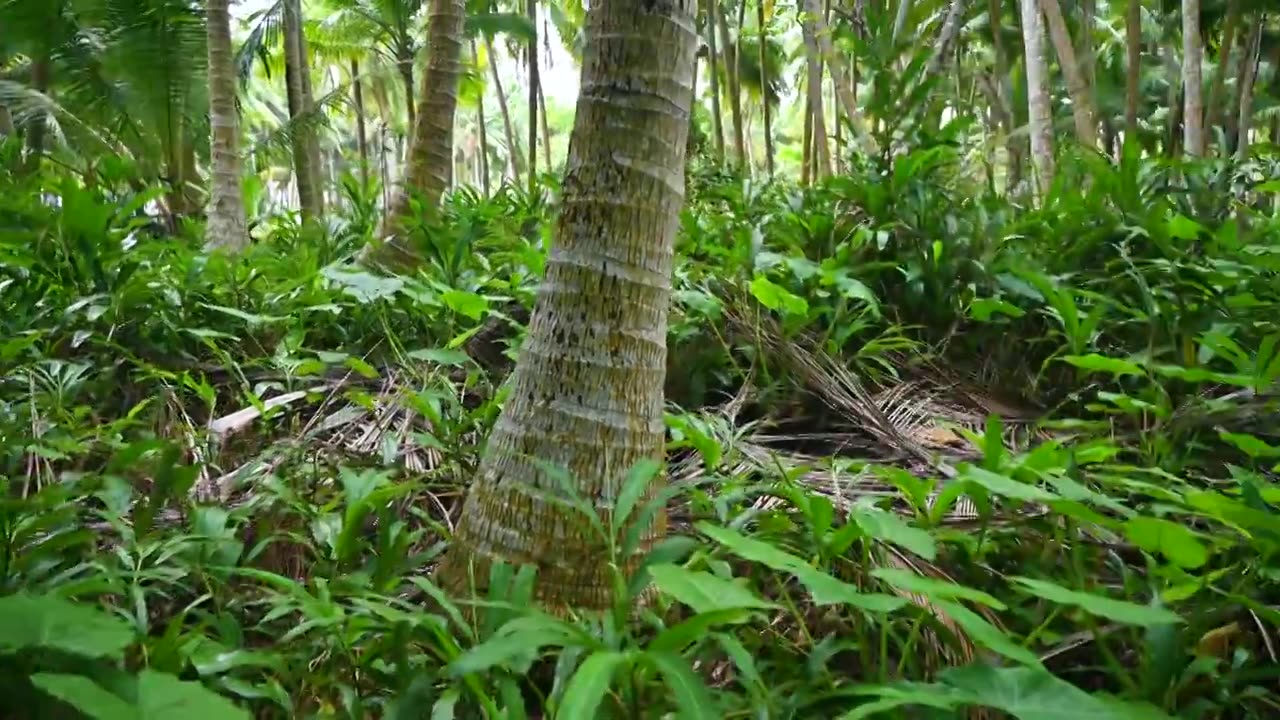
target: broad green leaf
<point>676,637</point>
<point>776,297</point>
<point>1174,541</point>
<point>692,699</point>
<point>1250,445</point>
<point>162,697</point>
<point>1004,486</point>
<point>502,649</point>
<point>1118,610</point>
<point>703,591</point>
<point>891,528</point>
<point>933,588</point>
<point>1184,228</point>
<point>1033,694</point>
<point>465,303</point>
<point>1097,363</point>
<point>587,687</point>
<point>85,695</point>
<point>983,308</point>
<point>441,356</point>
<point>985,634</point>
<point>250,318</point>
<point>29,622</point>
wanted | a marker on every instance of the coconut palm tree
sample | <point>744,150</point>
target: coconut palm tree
<point>226,216</point>
<point>586,394</point>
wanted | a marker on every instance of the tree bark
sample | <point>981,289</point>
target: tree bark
<point>764,86</point>
<point>1133,68</point>
<point>41,77</point>
<point>820,157</point>
<point>542,124</point>
<point>225,228</point>
<point>1081,94</point>
<point>484,131</point>
<point>513,148</point>
<point>836,67</point>
<point>1004,95</point>
<point>305,172</point>
<point>1193,141</point>
<point>713,70</point>
<point>586,393</point>
<point>1249,74</point>
<point>735,91</point>
<point>362,137</point>
<point>1039,111</point>
<point>404,65</point>
<point>1214,112</point>
<point>532,58</point>
<point>946,38</point>
<point>430,160</point>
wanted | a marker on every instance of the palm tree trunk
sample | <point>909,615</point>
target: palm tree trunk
<point>294,60</point>
<point>484,131</point>
<point>1244,117</point>
<point>543,126</point>
<point>226,216</point>
<point>586,394</point>
<point>764,86</point>
<point>821,153</point>
<point>513,148</point>
<point>1213,112</point>
<point>532,58</point>
<point>1081,94</point>
<point>41,77</point>
<point>1173,74</point>
<point>1133,68</point>
<point>1039,112</point>
<point>430,162</point>
<point>735,91</point>
<point>844,89</point>
<point>1013,145</point>
<point>1086,55</point>
<point>946,38</point>
<point>806,143</point>
<point>713,69</point>
<point>362,138</point>
<point>404,65</point>
<point>1192,80</point>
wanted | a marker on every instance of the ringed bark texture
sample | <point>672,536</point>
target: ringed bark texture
<point>1040,113</point>
<point>1193,141</point>
<point>587,392</point>
<point>226,225</point>
<point>430,161</point>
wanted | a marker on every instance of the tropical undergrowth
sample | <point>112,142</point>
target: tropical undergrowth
<point>934,452</point>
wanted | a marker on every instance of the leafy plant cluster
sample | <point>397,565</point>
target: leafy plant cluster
<point>228,478</point>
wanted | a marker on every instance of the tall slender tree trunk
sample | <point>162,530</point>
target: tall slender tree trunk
<point>835,66</point>
<point>946,38</point>
<point>1086,55</point>
<point>713,70</point>
<point>821,153</point>
<point>41,77</point>
<point>1214,111</point>
<point>1173,74</point>
<point>806,144</point>
<point>430,160</point>
<point>586,394</point>
<point>1133,67</point>
<point>1081,94</point>
<point>304,162</point>
<point>1248,75</point>
<point>762,22</point>
<point>513,148</point>
<point>1193,110</point>
<point>362,137</point>
<point>532,57</point>
<point>543,126</point>
<point>6,122</point>
<point>735,91</point>
<point>225,228</point>
<point>1013,144</point>
<point>484,131</point>
<point>404,65</point>
<point>1039,111</point>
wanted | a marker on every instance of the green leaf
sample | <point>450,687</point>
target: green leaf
<point>891,528</point>
<point>825,589</point>
<point>985,634</point>
<point>983,308</point>
<point>587,687</point>
<point>1118,610</point>
<point>698,627</point>
<point>933,588</point>
<point>776,297</point>
<point>441,356</point>
<point>1004,486</point>
<point>501,649</point>
<point>1184,228</point>
<point>703,591</point>
<point>30,622</point>
<point>1097,363</point>
<point>1250,445</point>
<point>158,696</point>
<point>1168,538</point>
<point>466,303</point>
<point>692,699</point>
<point>249,318</point>
<point>1034,694</point>
<point>85,695</point>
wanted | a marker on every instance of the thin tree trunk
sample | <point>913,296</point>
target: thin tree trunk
<point>713,69</point>
<point>1086,55</point>
<point>6,122</point>
<point>806,142</point>
<point>225,228</point>
<point>542,124</point>
<point>531,57</point>
<point>430,160</point>
<point>837,158</point>
<point>1192,81</point>
<point>513,148</point>
<point>587,391</point>
<point>735,91</point>
<point>362,139</point>
<point>484,132</point>
<point>821,154</point>
<point>764,86</point>
<point>1039,111</point>
<point>1013,145</point>
<point>41,77</point>
<point>836,67</point>
<point>1214,111</point>
<point>1244,119</point>
<point>404,65</point>
<point>1133,67</point>
<point>1173,72</point>
<point>303,168</point>
<point>1081,94</point>
<point>946,38</point>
